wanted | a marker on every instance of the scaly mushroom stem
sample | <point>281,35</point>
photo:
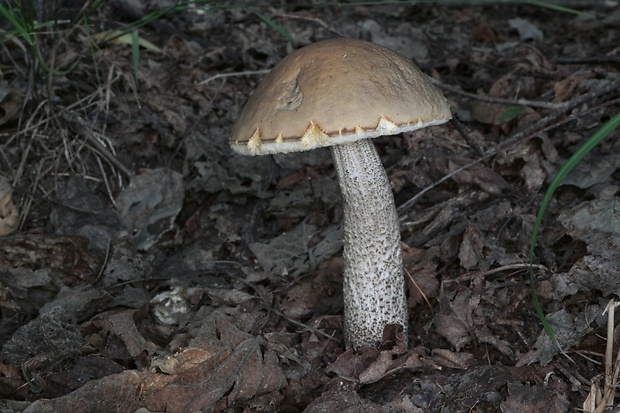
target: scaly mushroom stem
<point>374,286</point>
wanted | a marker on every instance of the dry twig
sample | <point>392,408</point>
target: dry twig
<point>548,122</point>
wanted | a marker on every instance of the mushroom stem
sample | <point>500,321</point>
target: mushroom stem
<point>374,287</point>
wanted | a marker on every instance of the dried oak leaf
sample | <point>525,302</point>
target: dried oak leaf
<point>242,369</point>
<point>209,376</point>
<point>214,382</point>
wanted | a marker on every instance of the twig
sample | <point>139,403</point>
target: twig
<point>553,116</point>
<point>428,303</point>
<point>500,101</point>
<point>523,266</point>
<point>311,19</point>
<point>612,370</point>
<point>588,60</point>
<point>465,134</point>
<point>104,264</point>
<point>234,74</point>
<point>529,132</point>
<point>84,130</point>
<point>270,309</point>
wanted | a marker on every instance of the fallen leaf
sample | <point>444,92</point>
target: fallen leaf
<point>470,251</point>
<point>527,30</point>
<point>528,398</point>
<point>150,204</point>
<point>602,214</point>
<point>52,338</point>
<point>568,329</point>
<point>563,90</point>
<point>345,401</point>
<point>9,213</point>
<point>453,330</point>
<point>349,365</point>
<point>10,107</point>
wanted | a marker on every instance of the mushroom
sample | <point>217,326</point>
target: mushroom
<point>341,93</point>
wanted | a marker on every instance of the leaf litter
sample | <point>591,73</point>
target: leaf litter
<point>153,270</point>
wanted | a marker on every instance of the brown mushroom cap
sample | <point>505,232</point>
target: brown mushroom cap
<point>333,92</point>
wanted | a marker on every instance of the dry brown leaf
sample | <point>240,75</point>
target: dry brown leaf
<point>446,358</point>
<point>210,378</point>
<point>378,368</point>
<point>485,112</point>
<point>569,330</point>
<point>565,88</point>
<point>453,330</point>
<point>422,266</point>
<point>349,365</point>
<point>235,378</point>
<point>150,204</point>
<point>527,398</point>
<point>532,59</point>
<point>470,252</point>
<point>503,346</point>
<point>458,325</point>
<point>9,213</point>
<point>346,401</point>
<point>111,394</point>
<point>478,175</point>
<point>122,325</point>
<point>10,107</point>
<point>502,88</point>
<point>301,299</point>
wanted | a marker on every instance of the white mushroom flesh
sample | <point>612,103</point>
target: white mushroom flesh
<point>374,291</point>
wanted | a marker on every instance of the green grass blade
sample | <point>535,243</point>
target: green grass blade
<point>21,29</point>
<point>135,54</point>
<point>557,7</point>
<point>590,144</point>
<point>275,26</point>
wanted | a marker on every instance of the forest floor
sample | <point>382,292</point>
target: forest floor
<point>148,268</point>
